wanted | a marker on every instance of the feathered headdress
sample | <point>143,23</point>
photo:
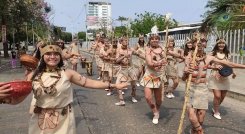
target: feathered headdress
<point>154,30</point>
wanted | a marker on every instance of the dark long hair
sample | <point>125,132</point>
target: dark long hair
<point>37,53</point>
<point>42,66</point>
<point>216,49</point>
<point>187,50</point>
<point>62,46</point>
<point>141,43</point>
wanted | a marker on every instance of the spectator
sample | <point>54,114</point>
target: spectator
<point>13,58</point>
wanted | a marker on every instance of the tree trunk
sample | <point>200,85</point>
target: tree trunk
<point>4,37</point>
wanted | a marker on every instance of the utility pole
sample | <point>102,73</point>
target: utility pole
<point>86,23</point>
<point>107,17</point>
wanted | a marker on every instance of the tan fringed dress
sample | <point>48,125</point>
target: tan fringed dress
<point>53,113</point>
<point>216,81</point>
<point>154,77</point>
<point>171,67</point>
<point>140,61</point>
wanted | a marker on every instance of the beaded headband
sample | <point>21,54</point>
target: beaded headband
<point>220,41</point>
<point>51,48</point>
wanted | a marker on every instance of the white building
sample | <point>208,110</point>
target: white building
<point>98,15</point>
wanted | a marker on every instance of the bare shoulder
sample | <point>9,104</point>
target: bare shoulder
<point>209,59</point>
<point>65,51</point>
<point>210,54</point>
<point>178,49</point>
<point>147,49</point>
<point>132,49</point>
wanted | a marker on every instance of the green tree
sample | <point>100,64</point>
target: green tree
<point>122,19</point>
<point>145,21</point>
<point>120,31</point>
<point>57,32</point>
<point>66,36</point>
<point>16,14</point>
<point>82,35</point>
<point>223,15</point>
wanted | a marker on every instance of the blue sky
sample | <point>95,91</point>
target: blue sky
<point>71,13</point>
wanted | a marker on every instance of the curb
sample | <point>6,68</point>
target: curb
<point>235,95</point>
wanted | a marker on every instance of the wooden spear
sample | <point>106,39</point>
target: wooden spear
<point>165,46</point>
<point>167,18</point>
<point>112,62</point>
<point>188,88</point>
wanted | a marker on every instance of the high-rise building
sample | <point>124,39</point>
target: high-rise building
<point>98,15</point>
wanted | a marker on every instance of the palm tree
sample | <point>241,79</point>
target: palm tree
<point>121,19</point>
<point>224,15</point>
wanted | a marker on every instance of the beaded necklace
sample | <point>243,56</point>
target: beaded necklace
<point>157,51</point>
<point>50,90</point>
<point>220,56</point>
<point>199,58</point>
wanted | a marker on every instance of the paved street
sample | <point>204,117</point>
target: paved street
<point>96,113</point>
<point>82,28</point>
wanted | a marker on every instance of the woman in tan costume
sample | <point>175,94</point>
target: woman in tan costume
<point>140,52</point>
<point>65,56</point>
<point>65,53</point>
<point>105,55</point>
<point>114,51</point>
<point>75,55</point>
<point>198,102</point>
<point>198,96</point>
<point>172,68</point>
<point>97,46</point>
<point>52,88</point>
<point>219,84</point>
<point>154,76</point>
<point>128,73</point>
<point>188,48</point>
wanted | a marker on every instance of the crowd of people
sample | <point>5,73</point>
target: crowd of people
<point>155,68</point>
<point>155,65</point>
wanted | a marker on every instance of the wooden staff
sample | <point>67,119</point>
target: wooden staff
<point>165,46</point>
<point>112,39</point>
<point>187,89</point>
<point>166,36</point>
<point>128,41</point>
